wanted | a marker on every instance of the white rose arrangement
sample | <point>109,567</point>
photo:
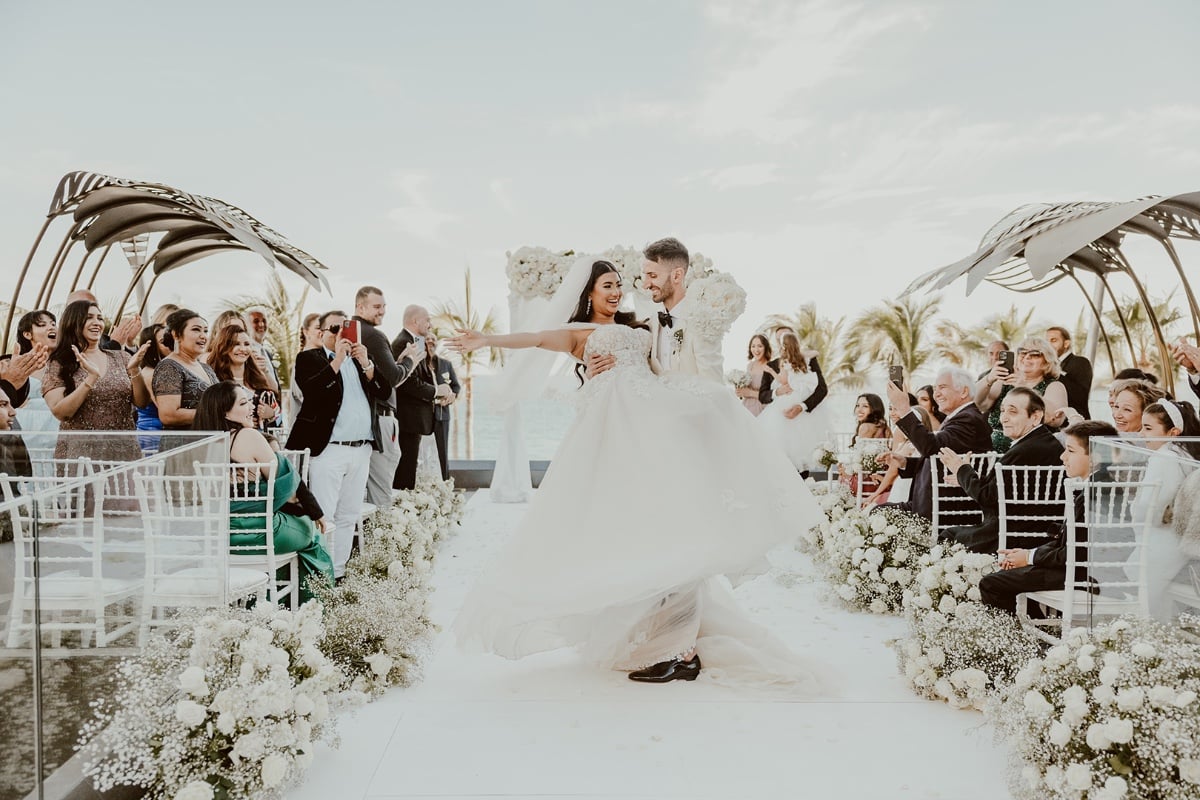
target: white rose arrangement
<point>837,502</point>
<point>947,575</point>
<point>715,301</point>
<point>1105,715</point>
<point>538,272</point>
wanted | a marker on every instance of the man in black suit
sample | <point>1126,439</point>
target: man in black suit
<point>443,372</point>
<point>766,392</point>
<point>414,398</point>
<point>339,425</point>
<point>1077,370</point>
<point>1045,568</point>
<point>369,308</point>
<point>964,430</point>
<point>1021,415</point>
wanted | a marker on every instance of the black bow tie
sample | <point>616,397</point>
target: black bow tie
<point>665,319</point>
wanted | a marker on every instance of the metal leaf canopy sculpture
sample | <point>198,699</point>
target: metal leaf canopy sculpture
<point>1036,246</point>
<point>107,211</point>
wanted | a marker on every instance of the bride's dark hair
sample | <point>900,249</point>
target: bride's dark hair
<point>583,311</point>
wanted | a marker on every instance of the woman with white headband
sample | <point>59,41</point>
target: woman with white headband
<point>1163,423</point>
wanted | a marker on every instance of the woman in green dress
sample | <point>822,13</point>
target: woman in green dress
<point>297,518</point>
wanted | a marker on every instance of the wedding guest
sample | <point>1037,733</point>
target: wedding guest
<point>263,353</point>
<point>1163,424</point>
<point>339,424</point>
<point>310,339</point>
<point>156,339</point>
<point>870,418</point>
<point>1037,368</point>
<point>786,420</point>
<point>1045,568</point>
<point>925,400</point>
<point>224,406</point>
<point>891,488</point>
<point>90,389</point>
<point>14,459</point>
<point>180,378</point>
<point>122,336</point>
<point>963,431</point>
<point>768,393</point>
<point>395,366</point>
<point>415,396</point>
<point>758,354</point>
<point>1130,398</point>
<point>1033,445</point>
<point>37,332</point>
<point>1076,370</point>
<point>1135,374</point>
<point>231,357</point>
<point>162,312</point>
<point>1187,355</point>
<point>994,349</point>
<point>443,372</point>
<point>230,317</point>
<point>35,341</point>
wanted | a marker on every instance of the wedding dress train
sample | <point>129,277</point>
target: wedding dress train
<point>663,490</point>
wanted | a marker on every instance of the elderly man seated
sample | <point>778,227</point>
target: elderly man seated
<point>964,430</point>
<point>1033,445</point>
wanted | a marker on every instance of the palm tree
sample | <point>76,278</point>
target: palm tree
<point>283,332</point>
<point>823,335</point>
<point>960,345</point>
<point>450,314</point>
<point>1146,354</point>
<point>893,333</point>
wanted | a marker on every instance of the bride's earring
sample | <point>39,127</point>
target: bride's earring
<point>589,306</point>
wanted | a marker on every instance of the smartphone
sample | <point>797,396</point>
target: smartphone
<point>349,331</point>
<point>896,375</point>
<point>1008,360</point>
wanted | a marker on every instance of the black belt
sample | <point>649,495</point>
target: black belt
<point>355,443</point>
<point>386,412</point>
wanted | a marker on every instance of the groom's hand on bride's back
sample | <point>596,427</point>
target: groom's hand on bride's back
<point>598,363</point>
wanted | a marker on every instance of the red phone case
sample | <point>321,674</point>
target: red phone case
<point>350,332</point>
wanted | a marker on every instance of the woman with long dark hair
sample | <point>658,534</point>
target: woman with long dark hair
<point>90,389</point>
<point>758,353</point>
<point>925,400</point>
<point>701,494</point>
<point>158,343</point>
<point>231,356</point>
<point>37,329</point>
<point>800,432</point>
<point>297,518</point>
<point>870,418</point>
<point>180,378</point>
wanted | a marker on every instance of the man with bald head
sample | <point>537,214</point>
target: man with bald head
<point>415,397</point>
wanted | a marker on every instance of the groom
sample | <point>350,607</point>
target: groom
<point>684,352</point>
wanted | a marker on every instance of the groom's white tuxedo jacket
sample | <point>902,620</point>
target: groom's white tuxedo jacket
<point>678,349</point>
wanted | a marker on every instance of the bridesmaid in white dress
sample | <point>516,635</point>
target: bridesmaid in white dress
<point>799,432</point>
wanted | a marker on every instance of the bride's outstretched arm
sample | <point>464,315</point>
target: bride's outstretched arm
<point>559,341</point>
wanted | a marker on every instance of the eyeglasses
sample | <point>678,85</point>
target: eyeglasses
<point>334,329</point>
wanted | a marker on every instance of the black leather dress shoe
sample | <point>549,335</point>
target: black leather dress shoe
<point>664,671</point>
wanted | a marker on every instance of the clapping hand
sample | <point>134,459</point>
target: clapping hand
<point>127,330</point>
<point>92,370</point>
<point>1188,355</point>
<point>17,369</point>
<point>409,352</point>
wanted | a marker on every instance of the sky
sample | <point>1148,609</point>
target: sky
<point>824,152</point>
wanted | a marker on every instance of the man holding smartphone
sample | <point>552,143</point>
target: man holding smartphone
<point>415,397</point>
<point>369,308</point>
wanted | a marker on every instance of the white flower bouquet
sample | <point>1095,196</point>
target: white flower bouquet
<point>965,656</point>
<point>870,558</point>
<point>1105,715</point>
<point>227,704</point>
<point>737,378</point>
<point>945,577</point>
<point>865,456</point>
<point>715,301</point>
<point>825,455</point>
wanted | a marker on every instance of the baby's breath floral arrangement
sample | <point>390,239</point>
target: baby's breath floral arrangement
<point>965,655</point>
<point>870,558</point>
<point>226,705</point>
<point>376,620</point>
<point>836,501</point>
<point>1107,714</point>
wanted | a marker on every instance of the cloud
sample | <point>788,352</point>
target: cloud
<point>739,176</point>
<point>499,189</point>
<point>417,217</point>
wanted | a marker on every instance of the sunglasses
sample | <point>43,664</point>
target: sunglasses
<point>334,329</point>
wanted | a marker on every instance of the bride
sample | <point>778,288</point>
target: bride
<point>661,488</point>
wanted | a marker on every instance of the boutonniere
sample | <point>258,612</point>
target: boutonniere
<point>677,334</point>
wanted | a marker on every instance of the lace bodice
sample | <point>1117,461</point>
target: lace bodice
<point>631,346</point>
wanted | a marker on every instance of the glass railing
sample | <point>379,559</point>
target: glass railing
<point>106,536</point>
<point>1142,517</point>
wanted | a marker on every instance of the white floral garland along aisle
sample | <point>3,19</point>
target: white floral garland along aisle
<point>1109,714</point>
<point>229,704</point>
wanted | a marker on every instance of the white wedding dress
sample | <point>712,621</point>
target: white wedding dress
<point>801,435</point>
<point>662,491</point>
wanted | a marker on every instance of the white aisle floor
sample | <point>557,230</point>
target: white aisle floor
<point>550,726</point>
